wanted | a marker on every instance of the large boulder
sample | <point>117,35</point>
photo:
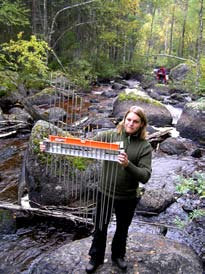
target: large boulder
<point>157,113</point>
<point>17,113</point>
<point>46,96</point>
<point>146,254</point>
<point>177,146</point>
<point>191,124</point>
<point>155,201</point>
<point>54,179</point>
<point>179,72</point>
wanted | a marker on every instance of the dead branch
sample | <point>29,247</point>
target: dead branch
<point>159,136</point>
<point>175,57</point>
<point>45,212</point>
<point>60,11</point>
<point>8,134</point>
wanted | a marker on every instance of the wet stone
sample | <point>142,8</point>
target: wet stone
<point>146,254</point>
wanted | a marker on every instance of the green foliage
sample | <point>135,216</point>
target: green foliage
<point>180,223</point>
<point>80,163</point>
<point>13,14</point>
<point>117,31</point>
<point>109,39</point>
<point>8,80</point>
<point>27,58</point>
<point>81,73</point>
<point>189,82</point>
<point>202,78</point>
<point>126,97</point>
<point>195,185</point>
<point>133,68</point>
<point>104,68</point>
<point>196,213</point>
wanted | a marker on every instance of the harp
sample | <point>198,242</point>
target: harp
<point>68,147</point>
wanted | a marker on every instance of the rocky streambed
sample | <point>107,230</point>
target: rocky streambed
<point>157,243</point>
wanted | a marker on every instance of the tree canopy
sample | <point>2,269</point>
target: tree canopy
<point>103,38</point>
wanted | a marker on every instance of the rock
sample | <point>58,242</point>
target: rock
<point>180,146</point>
<point>155,95</point>
<point>109,94</point>
<point>98,123</point>
<point>20,114</point>
<point>191,124</point>
<point>157,113</point>
<point>155,200</point>
<point>179,72</point>
<point>146,254</point>
<point>50,178</point>
<point>55,114</point>
<point>46,96</point>
<point>197,153</point>
<point>118,86</point>
<point>173,146</point>
<point>178,97</point>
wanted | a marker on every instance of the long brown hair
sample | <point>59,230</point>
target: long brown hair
<point>139,112</point>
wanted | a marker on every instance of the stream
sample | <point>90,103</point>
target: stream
<point>24,239</point>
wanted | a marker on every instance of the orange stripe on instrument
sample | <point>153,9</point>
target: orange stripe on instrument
<point>84,143</point>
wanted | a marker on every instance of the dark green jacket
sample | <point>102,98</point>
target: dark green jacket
<point>124,181</point>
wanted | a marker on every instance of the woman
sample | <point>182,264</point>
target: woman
<point>119,184</point>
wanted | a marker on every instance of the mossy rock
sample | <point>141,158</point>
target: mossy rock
<point>45,96</point>
<point>156,112</point>
<point>55,179</point>
<point>191,124</point>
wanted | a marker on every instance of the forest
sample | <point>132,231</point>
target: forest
<point>92,40</point>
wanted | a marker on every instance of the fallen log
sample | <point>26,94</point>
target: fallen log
<point>35,114</point>
<point>54,212</point>
<point>11,133</point>
<point>159,136</point>
<point>16,127</point>
<point>11,127</point>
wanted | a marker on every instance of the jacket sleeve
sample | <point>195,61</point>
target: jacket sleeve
<point>142,171</point>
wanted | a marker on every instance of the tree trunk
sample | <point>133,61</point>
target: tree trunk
<point>151,31</point>
<point>186,6</point>
<point>34,28</point>
<point>199,50</point>
<point>171,31</point>
<point>45,20</point>
<point>28,106</point>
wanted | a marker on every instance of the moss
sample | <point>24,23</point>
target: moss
<point>40,132</point>
<point>46,91</point>
<point>81,163</point>
<point>2,93</point>
<point>136,97</point>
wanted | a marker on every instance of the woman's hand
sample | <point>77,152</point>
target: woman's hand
<point>42,147</point>
<point>123,159</point>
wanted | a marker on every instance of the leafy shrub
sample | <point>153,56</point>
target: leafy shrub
<point>195,185</point>
<point>27,59</point>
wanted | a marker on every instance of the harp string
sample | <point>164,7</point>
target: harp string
<point>81,187</point>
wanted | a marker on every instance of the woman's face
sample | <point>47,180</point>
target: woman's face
<point>132,123</point>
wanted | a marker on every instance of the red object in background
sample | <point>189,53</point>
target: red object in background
<point>161,75</point>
